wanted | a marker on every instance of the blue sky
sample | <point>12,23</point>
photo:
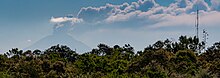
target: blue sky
<point>23,22</point>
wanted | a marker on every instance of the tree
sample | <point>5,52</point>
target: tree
<point>158,45</point>
<point>185,62</point>
<point>14,53</point>
<point>63,52</point>
<point>37,52</point>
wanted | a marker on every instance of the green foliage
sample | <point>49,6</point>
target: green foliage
<point>164,59</point>
<point>4,75</point>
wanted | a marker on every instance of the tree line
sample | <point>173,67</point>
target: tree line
<point>163,59</point>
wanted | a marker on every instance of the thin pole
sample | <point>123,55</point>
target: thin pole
<point>197,30</point>
<point>197,24</point>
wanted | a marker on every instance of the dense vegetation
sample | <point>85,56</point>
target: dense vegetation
<point>164,59</point>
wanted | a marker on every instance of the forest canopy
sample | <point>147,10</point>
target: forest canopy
<point>186,58</point>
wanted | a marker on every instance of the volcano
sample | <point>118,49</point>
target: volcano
<point>61,39</point>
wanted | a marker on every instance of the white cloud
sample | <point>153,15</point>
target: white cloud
<point>65,19</point>
<point>199,5</point>
<point>29,40</point>
<point>97,14</point>
<point>57,20</point>
<point>64,24</point>
<point>215,5</point>
<point>93,14</point>
<point>143,12</point>
<point>122,17</point>
<point>210,18</point>
<point>146,5</point>
<point>206,19</point>
<point>170,20</point>
<point>183,3</point>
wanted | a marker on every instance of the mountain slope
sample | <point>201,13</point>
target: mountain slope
<point>62,39</point>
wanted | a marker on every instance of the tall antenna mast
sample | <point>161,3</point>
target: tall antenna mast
<point>197,30</point>
<point>197,23</point>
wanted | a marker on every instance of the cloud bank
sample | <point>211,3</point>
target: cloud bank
<point>144,13</point>
<point>64,24</point>
<point>215,5</point>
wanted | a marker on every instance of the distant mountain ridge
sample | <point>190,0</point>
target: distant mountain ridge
<point>61,39</point>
